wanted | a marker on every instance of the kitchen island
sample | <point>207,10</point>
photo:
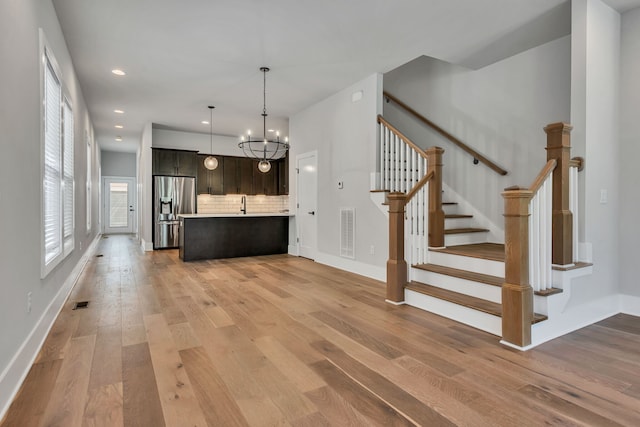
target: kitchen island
<point>214,236</point>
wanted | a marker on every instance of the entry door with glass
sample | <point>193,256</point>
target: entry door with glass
<point>119,205</point>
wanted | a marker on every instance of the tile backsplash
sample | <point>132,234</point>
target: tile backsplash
<point>231,203</point>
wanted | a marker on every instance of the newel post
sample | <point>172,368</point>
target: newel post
<point>396,265</point>
<point>517,294</point>
<point>436,214</point>
<point>559,148</point>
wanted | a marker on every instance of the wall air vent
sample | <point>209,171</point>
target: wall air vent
<point>347,232</point>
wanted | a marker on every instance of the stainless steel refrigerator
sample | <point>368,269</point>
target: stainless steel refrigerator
<point>172,196</point>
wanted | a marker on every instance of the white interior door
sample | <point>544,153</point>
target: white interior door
<point>307,204</point>
<point>119,205</point>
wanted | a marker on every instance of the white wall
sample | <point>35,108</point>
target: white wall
<point>21,332</point>
<point>595,107</point>
<point>145,207</point>
<point>629,231</point>
<point>499,110</point>
<point>116,163</point>
<point>344,134</point>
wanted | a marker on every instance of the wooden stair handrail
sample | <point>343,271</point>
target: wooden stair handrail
<point>543,175</point>
<point>447,135</point>
<point>577,162</point>
<point>418,186</point>
<point>402,136</point>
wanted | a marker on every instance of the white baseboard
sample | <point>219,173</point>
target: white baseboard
<point>16,371</point>
<point>367,270</point>
<point>574,318</point>
<point>630,305</point>
<point>146,246</point>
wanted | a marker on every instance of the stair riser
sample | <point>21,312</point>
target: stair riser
<point>456,284</point>
<point>465,238</point>
<point>468,316</point>
<point>458,223</point>
<point>450,209</point>
<point>477,265</point>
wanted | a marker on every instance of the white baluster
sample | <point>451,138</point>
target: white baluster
<point>573,207</point>
<point>549,233</point>
<point>381,133</point>
<point>533,250</point>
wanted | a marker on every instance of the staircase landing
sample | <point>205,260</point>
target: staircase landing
<point>490,251</point>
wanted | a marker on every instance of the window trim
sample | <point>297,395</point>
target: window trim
<point>48,59</point>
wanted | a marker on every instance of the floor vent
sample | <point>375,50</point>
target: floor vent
<point>105,237</point>
<point>99,256</point>
<point>81,304</point>
<point>347,232</point>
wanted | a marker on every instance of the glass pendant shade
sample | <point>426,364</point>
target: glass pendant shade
<point>264,166</point>
<point>210,163</point>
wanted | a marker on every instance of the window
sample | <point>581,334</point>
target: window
<point>57,168</point>
<point>88,195</point>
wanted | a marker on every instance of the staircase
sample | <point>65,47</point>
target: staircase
<point>462,281</point>
<point>454,266</point>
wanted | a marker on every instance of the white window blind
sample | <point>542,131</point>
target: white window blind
<point>52,177</point>
<point>57,168</point>
<point>88,195</point>
<point>68,181</point>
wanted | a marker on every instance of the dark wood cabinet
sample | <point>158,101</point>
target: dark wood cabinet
<point>186,163</point>
<point>174,162</point>
<point>238,175</point>
<point>234,175</point>
<point>210,181</point>
<point>265,183</point>
<point>283,175</point>
<point>245,172</point>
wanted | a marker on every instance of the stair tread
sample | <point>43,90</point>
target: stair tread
<point>462,274</point>
<point>378,191</point>
<point>479,304</point>
<point>457,216</point>
<point>489,251</point>
<point>465,230</point>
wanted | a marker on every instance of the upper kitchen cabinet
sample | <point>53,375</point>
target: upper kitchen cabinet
<point>174,162</point>
<point>210,181</point>
<point>283,175</point>
<point>238,176</point>
<point>265,183</point>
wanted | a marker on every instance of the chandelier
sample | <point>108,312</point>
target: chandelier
<point>264,149</point>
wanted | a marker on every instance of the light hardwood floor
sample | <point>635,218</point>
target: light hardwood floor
<point>283,341</point>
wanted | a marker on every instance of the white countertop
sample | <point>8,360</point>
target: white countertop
<point>233,215</point>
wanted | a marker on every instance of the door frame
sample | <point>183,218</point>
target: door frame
<point>133,217</point>
<point>314,249</point>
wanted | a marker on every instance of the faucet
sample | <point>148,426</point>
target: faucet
<point>243,205</point>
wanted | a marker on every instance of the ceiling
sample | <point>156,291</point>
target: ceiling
<point>182,56</point>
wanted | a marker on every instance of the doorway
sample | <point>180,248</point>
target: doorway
<point>119,205</point>
<point>307,204</point>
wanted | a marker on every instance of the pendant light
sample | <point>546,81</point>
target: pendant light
<point>264,149</point>
<point>211,162</point>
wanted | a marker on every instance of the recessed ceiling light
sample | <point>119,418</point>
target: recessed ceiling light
<point>118,138</point>
<point>204,122</point>
<point>118,72</point>
<point>118,111</point>
<point>119,126</point>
